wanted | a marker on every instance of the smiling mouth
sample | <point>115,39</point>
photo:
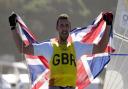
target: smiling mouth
<point>65,33</point>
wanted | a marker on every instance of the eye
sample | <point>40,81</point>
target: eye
<point>61,25</point>
<point>67,25</point>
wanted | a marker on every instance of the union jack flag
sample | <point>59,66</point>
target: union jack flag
<point>88,66</point>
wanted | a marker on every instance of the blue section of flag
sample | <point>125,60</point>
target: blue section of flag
<point>97,64</point>
<point>35,70</point>
<point>30,39</point>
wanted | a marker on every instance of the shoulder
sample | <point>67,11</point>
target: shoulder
<point>54,41</point>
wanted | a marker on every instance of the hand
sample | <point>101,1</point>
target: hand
<point>12,20</point>
<point>108,17</point>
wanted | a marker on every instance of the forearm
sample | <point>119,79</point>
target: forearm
<point>104,41</point>
<point>19,43</point>
<point>100,47</point>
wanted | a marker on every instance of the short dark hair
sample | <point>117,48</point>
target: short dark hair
<point>62,16</point>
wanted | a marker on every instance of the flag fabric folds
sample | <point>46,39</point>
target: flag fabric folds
<point>37,65</point>
<point>88,66</point>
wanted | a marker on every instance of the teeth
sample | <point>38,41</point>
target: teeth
<point>64,32</point>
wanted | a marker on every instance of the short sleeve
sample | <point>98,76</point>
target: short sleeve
<point>82,48</point>
<point>43,49</point>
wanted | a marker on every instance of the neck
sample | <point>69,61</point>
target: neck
<point>61,41</point>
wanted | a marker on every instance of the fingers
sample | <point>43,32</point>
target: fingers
<point>108,17</point>
<point>12,19</point>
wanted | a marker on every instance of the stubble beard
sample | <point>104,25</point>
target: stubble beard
<point>63,39</point>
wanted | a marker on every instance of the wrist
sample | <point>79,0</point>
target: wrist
<point>13,27</point>
<point>109,23</point>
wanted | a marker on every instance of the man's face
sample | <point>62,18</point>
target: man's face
<point>63,27</point>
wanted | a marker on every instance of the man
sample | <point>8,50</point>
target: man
<point>61,52</point>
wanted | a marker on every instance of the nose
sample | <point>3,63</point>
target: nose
<point>65,27</point>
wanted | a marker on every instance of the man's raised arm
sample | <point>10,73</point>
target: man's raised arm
<point>19,43</point>
<point>100,47</point>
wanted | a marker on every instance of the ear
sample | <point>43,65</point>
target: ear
<point>56,27</point>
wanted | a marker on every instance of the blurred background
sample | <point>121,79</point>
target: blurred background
<point>40,16</point>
